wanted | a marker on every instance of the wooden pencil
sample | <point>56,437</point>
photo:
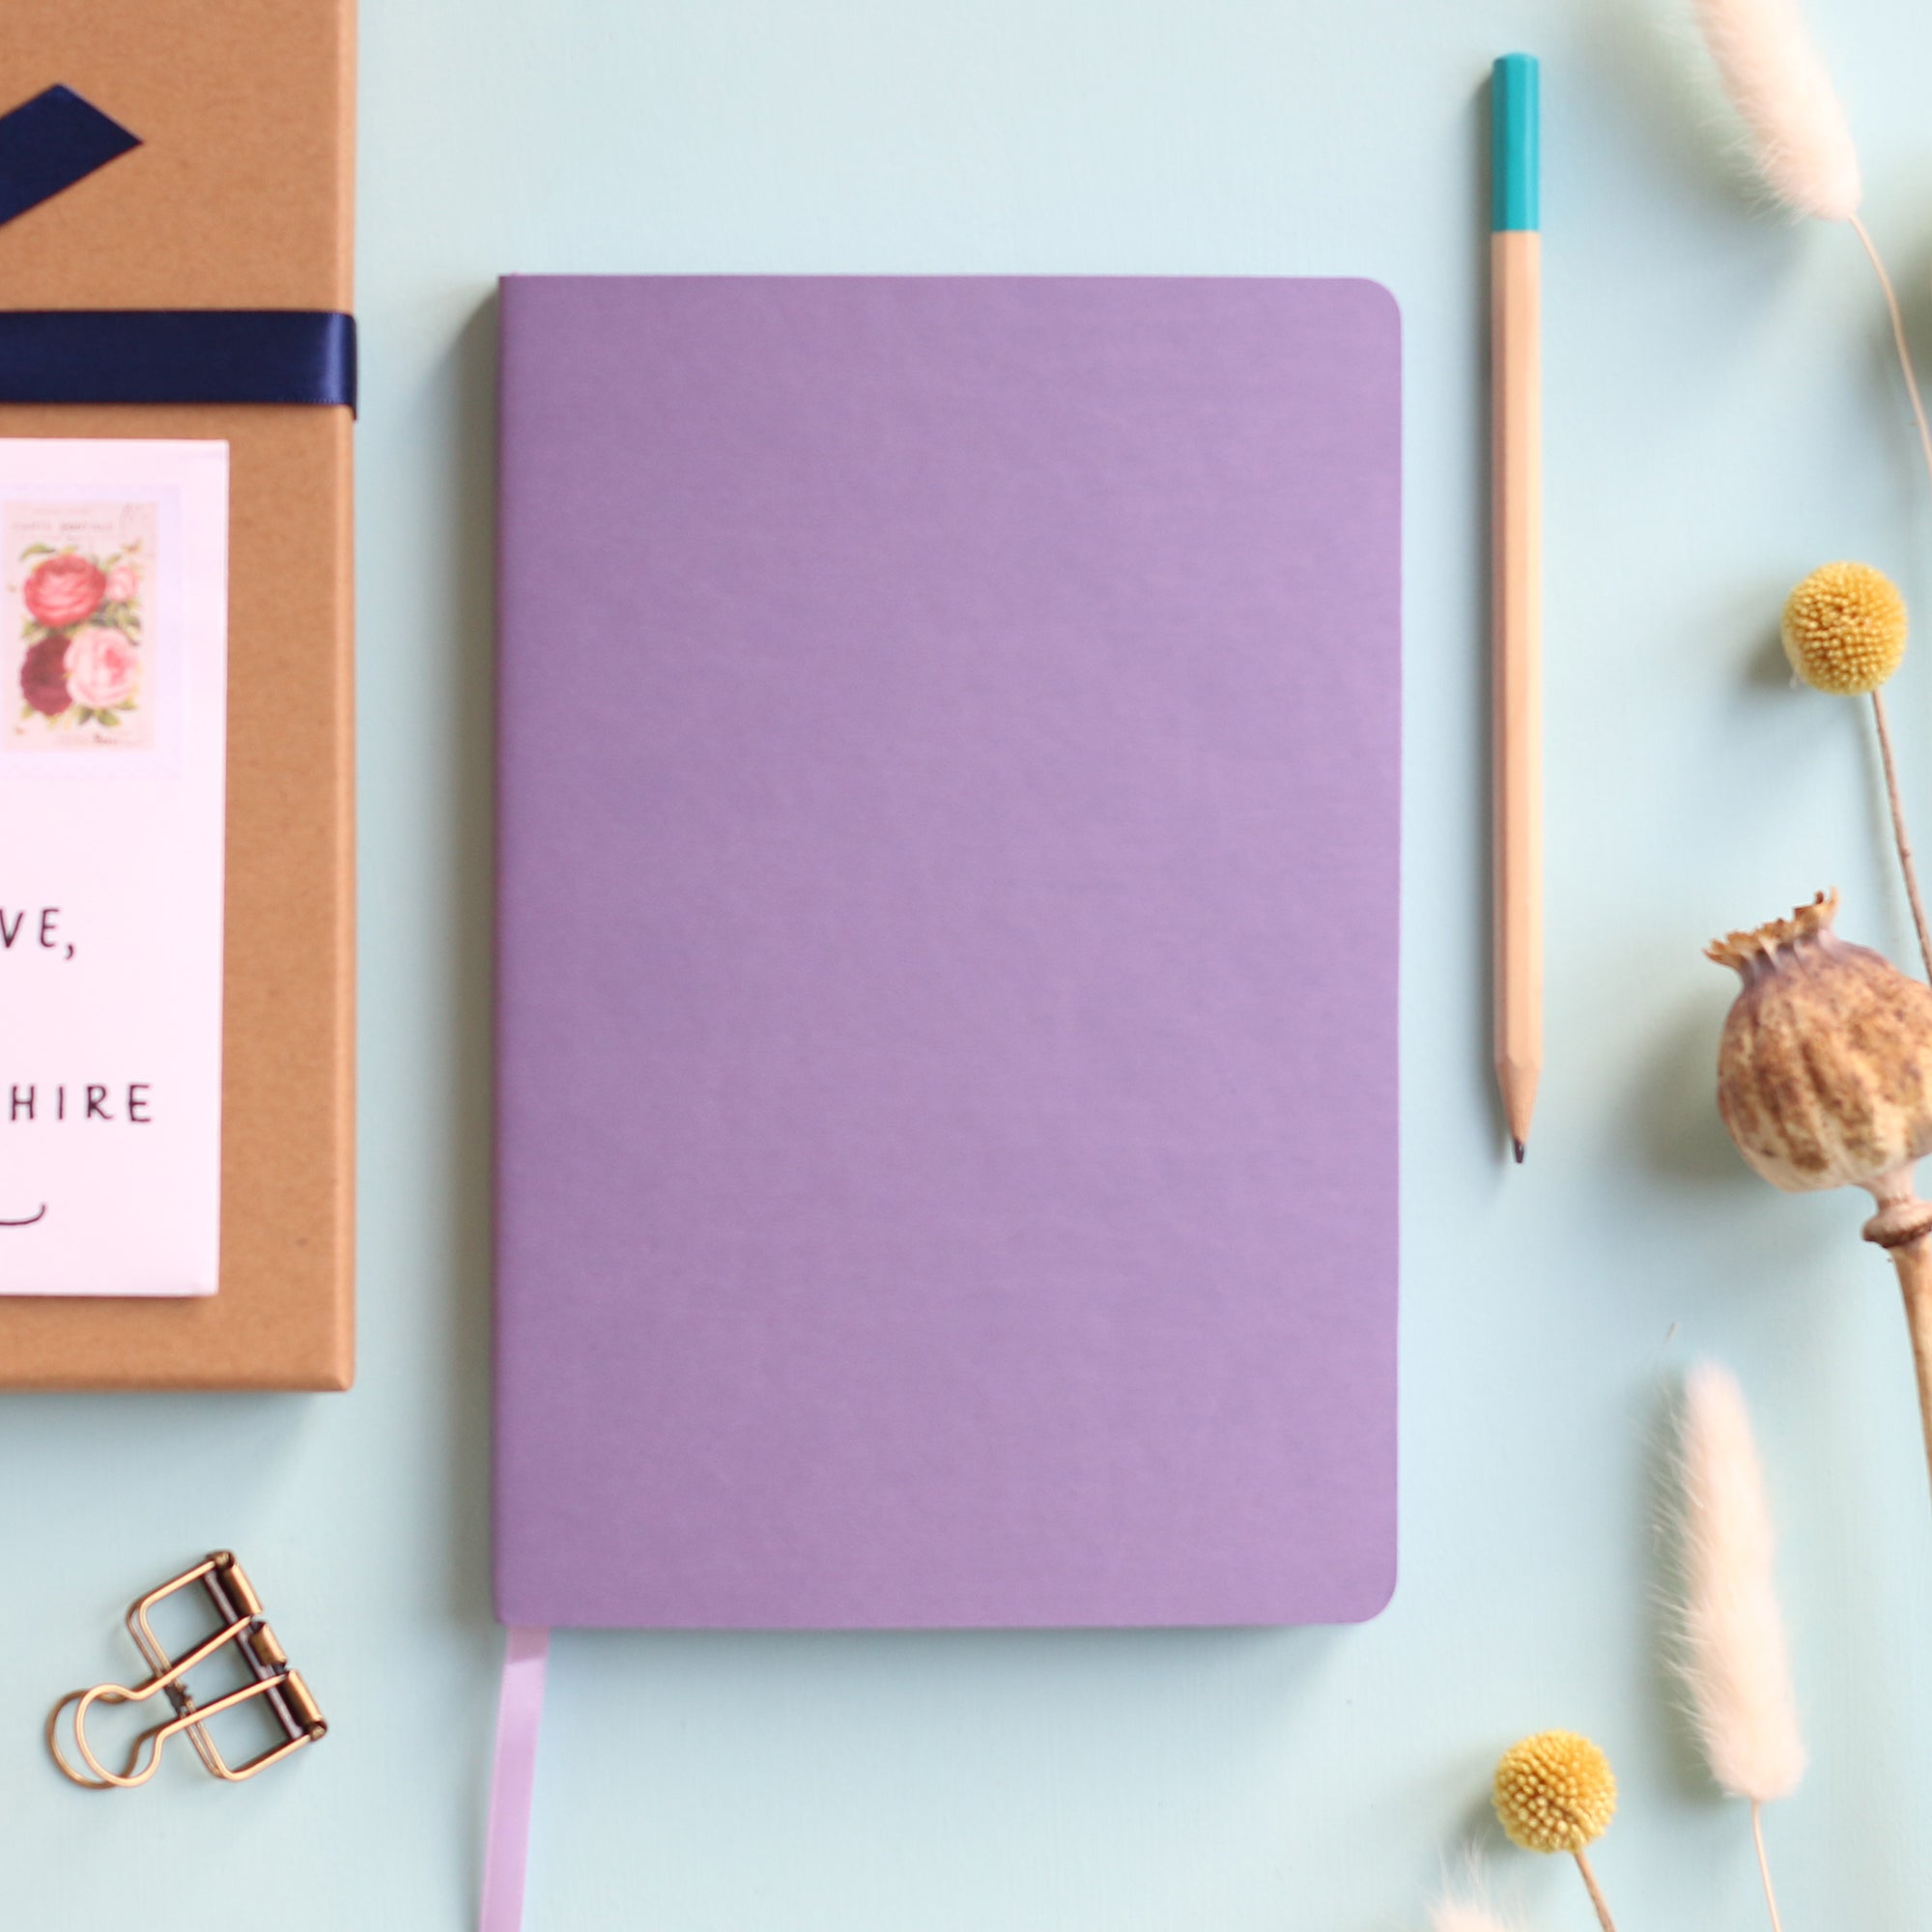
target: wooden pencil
<point>1516,615</point>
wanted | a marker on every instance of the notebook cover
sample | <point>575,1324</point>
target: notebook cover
<point>240,196</point>
<point>949,768</point>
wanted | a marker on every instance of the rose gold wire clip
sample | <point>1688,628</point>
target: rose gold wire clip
<point>239,1610</point>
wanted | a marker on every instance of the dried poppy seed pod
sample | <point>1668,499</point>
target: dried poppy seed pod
<point>1825,1073</point>
<point>1825,1080</point>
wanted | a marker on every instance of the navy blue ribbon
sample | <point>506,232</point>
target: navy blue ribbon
<point>178,355</point>
<point>147,355</point>
<point>50,142</point>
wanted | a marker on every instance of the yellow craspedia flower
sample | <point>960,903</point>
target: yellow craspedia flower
<point>1844,628</point>
<point>1554,1792</point>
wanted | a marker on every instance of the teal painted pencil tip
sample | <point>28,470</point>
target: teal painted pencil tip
<point>1516,199</point>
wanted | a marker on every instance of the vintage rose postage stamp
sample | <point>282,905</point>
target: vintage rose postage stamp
<point>81,660</point>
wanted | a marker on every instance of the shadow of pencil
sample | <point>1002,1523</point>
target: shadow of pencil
<point>1481,724</point>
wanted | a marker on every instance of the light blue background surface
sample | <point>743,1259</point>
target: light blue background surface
<point>1721,416</point>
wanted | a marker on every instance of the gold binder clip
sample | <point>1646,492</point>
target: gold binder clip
<point>239,1612</point>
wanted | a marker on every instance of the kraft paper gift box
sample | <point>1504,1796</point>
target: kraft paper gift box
<point>241,197</point>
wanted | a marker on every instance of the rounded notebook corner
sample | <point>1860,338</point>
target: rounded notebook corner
<point>1376,1594</point>
<point>1379,300</point>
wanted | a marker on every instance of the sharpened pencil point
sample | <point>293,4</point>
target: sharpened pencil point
<point>1518,1078</point>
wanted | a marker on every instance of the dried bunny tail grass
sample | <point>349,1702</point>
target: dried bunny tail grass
<point>1799,140</point>
<point>1466,1902</point>
<point>1466,1914</point>
<point>1733,1656</point>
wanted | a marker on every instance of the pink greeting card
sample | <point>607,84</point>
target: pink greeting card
<point>113,659</point>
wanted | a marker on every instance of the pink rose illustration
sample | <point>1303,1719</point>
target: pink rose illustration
<point>122,581</point>
<point>103,668</point>
<point>61,590</point>
<point>44,676</point>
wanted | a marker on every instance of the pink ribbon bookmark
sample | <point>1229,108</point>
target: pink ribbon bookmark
<point>513,1780</point>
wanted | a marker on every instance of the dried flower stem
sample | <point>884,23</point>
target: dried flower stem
<point>1913,1263</point>
<point>1764,1868</point>
<point>1898,338</point>
<point>1877,707</point>
<point>1903,1228</point>
<point>1899,836</point>
<point>1596,1892</point>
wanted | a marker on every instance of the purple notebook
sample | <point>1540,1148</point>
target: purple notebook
<point>948,767</point>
